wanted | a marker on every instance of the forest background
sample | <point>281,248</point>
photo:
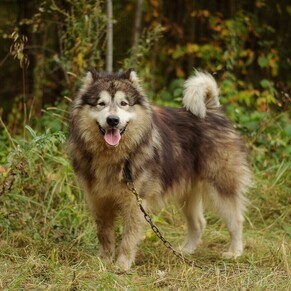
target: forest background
<point>47,238</point>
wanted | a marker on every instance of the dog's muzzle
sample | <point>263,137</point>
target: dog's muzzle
<point>112,135</point>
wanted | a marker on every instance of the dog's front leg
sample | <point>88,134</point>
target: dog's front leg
<point>106,237</point>
<point>104,213</point>
<point>132,234</point>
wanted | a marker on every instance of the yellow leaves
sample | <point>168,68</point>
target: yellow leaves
<point>80,53</point>
<point>273,62</point>
<point>129,7</point>
<point>192,48</point>
<point>266,98</point>
<point>238,91</point>
<point>155,3</point>
<point>170,51</point>
<point>4,171</point>
<point>260,3</point>
<point>270,61</point>
<point>246,58</point>
<point>179,72</point>
<point>247,96</point>
<point>155,7</point>
<point>261,99</point>
<point>200,13</point>
<point>80,60</point>
<point>262,103</point>
<point>17,48</point>
<point>248,54</point>
<point>181,51</point>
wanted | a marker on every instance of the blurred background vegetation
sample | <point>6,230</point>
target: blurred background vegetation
<point>45,49</point>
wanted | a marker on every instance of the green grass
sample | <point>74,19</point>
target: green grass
<point>48,241</point>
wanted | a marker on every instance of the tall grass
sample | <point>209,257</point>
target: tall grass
<point>48,241</point>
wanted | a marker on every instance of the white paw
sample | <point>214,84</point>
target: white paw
<point>123,263</point>
<point>231,254</point>
<point>189,247</point>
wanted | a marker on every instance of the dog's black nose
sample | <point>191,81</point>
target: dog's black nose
<point>112,120</point>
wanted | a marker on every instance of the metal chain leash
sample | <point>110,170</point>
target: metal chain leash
<point>155,228</point>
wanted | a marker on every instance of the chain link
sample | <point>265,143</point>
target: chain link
<point>156,230</point>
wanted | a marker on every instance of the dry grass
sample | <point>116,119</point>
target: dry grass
<point>47,237</point>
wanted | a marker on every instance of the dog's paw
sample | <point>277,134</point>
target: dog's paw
<point>231,254</point>
<point>188,250</point>
<point>106,256</point>
<point>189,247</point>
<point>123,263</point>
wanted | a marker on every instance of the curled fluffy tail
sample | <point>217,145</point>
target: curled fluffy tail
<point>200,93</point>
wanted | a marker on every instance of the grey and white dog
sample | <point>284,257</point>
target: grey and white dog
<point>192,154</point>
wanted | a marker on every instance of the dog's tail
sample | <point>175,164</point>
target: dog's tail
<point>201,93</point>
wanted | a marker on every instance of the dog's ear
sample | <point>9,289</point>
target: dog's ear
<point>131,75</point>
<point>89,79</point>
<point>93,74</point>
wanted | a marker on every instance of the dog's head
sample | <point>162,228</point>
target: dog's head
<point>112,101</point>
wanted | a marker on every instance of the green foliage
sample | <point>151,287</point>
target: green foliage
<point>47,238</point>
<point>235,91</point>
<point>236,42</point>
<point>82,35</point>
<point>41,176</point>
<point>81,38</point>
<point>240,50</point>
<point>143,51</point>
<point>171,96</point>
<point>268,135</point>
<point>55,118</point>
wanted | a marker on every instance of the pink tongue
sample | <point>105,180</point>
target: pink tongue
<point>112,136</point>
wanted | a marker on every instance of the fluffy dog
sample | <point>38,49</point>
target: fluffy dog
<point>192,154</point>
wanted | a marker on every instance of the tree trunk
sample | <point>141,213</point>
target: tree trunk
<point>137,22</point>
<point>109,50</point>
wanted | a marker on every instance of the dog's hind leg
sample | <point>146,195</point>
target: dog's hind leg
<point>231,209</point>
<point>193,211</point>
<point>232,214</point>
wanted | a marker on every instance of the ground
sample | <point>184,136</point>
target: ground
<point>48,239</point>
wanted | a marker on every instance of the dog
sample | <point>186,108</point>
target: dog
<point>192,154</point>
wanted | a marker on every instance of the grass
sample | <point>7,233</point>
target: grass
<point>48,241</point>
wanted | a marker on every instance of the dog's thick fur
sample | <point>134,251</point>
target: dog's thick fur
<point>192,154</point>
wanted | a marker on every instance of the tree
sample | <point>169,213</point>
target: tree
<point>109,49</point>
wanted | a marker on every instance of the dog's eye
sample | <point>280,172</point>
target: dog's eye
<point>101,104</point>
<point>123,103</point>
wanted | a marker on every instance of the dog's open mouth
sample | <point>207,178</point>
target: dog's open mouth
<point>113,135</point>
